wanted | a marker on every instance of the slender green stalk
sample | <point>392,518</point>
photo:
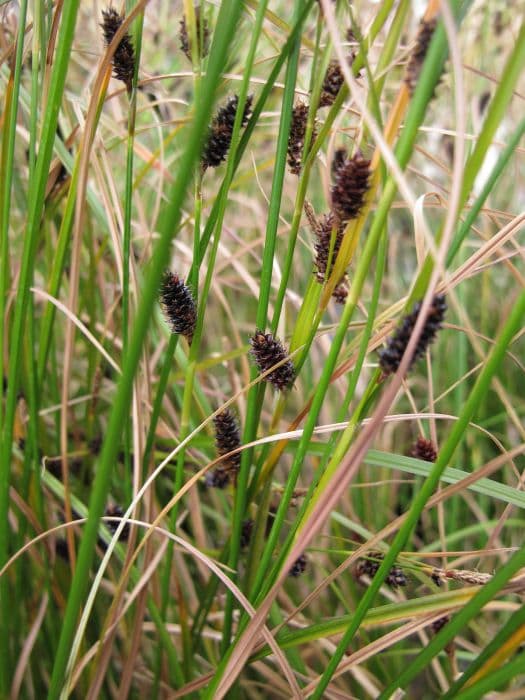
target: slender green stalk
<point>488,187</point>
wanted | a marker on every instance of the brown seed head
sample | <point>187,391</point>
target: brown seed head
<point>350,187</point>
<point>323,228</point>
<point>299,566</point>
<point>227,438</point>
<point>124,56</point>
<point>297,137</point>
<point>267,351</point>
<point>203,36</point>
<point>417,58</point>
<point>221,131</point>
<point>424,449</point>
<point>390,357</point>
<point>396,576</point>
<point>178,305</point>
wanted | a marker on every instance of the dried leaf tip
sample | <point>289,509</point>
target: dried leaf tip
<point>351,183</point>
<point>202,32</point>
<point>417,58</point>
<point>227,438</point>
<point>390,357</point>
<point>267,351</point>
<point>221,131</point>
<point>124,56</point>
<point>178,305</point>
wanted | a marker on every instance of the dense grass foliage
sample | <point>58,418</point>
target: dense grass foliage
<point>262,288</point>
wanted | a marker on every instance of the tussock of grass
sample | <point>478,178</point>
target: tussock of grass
<point>319,177</point>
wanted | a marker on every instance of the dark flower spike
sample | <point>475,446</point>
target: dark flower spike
<point>203,35</point>
<point>217,479</point>
<point>267,351</point>
<point>124,56</point>
<point>351,184</point>
<point>395,577</point>
<point>332,83</point>
<point>424,449</point>
<point>299,566</point>
<point>390,357</point>
<point>227,438</point>
<point>339,159</point>
<point>246,533</point>
<point>178,305</point>
<point>417,58</point>
<point>322,227</point>
<point>297,137</point>
<point>115,511</point>
<point>221,131</point>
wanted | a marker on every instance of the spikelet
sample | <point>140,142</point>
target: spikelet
<point>227,438</point>
<point>124,56</point>
<point>396,576</point>
<point>339,159</point>
<point>203,36</point>
<point>115,511</point>
<point>417,58</point>
<point>297,137</point>
<point>350,187</point>
<point>438,624</point>
<point>390,357</point>
<point>246,533</point>
<point>332,83</point>
<point>322,229</point>
<point>424,449</point>
<point>178,305</point>
<point>299,566</point>
<point>267,351</point>
<point>221,130</point>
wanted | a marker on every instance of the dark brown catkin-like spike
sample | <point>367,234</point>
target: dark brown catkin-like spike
<point>417,57</point>
<point>115,511</point>
<point>221,131</point>
<point>424,449</point>
<point>322,229</point>
<point>338,160</point>
<point>124,56</point>
<point>246,533</point>
<point>178,305</point>
<point>203,35</point>
<point>227,438</point>
<point>332,83</point>
<point>297,137</point>
<point>267,351</point>
<point>350,187</point>
<point>299,566</point>
<point>390,357</point>
<point>396,576</point>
